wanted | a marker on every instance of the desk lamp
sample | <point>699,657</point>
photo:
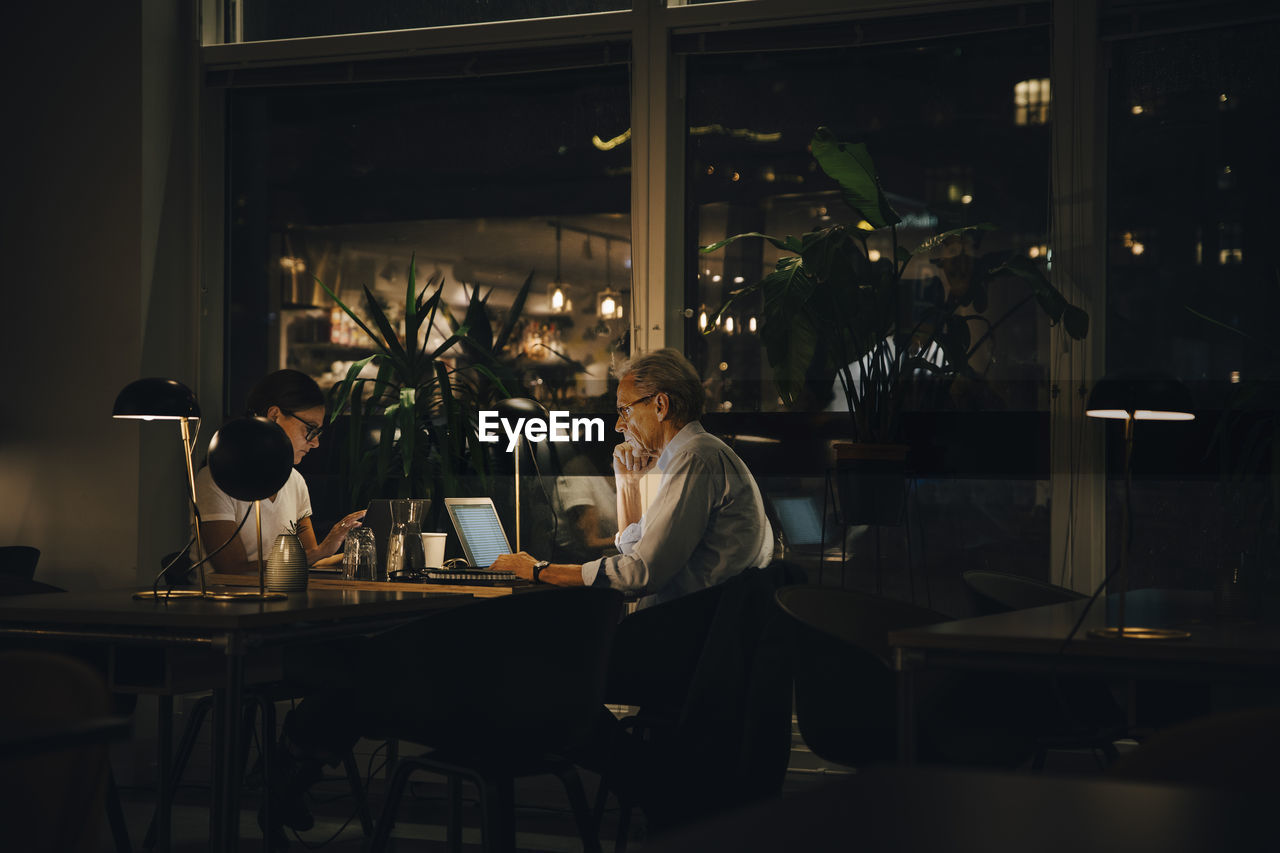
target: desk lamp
<point>1135,396</point>
<point>520,407</point>
<point>157,399</point>
<point>250,459</point>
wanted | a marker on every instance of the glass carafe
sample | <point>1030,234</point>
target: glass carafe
<point>404,546</point>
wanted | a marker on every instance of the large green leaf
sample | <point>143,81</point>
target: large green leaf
<point>349,384</point>
<point>849,164</point>
<point>938,240</point>
<point>786,244</point>
<point>347,310</point>
<point>390,340</point>
<point>412,319</point>
<point>479,332</point>
<point>1074,320</point>
<point>513,316</point>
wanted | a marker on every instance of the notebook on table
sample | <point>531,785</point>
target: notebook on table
<point>483,540</point>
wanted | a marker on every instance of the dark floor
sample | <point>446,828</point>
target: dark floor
<point>543,819</point>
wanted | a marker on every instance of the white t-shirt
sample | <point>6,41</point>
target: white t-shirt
<point>291,503</point>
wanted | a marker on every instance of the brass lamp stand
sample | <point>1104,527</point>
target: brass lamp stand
<point>250,459</point>
<point>157,399</point>
<point>1133,396</point>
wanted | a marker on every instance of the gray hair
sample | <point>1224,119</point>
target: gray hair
<point>667,371</point>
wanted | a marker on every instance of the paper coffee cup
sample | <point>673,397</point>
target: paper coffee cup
<point>433,549</point>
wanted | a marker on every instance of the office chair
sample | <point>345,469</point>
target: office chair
<point>54,768</point>
<point>1000,592</point>
<point>714,733</point>
<point>19,561</point>
<point>510,687</point>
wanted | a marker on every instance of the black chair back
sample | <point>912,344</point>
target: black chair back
<point>1000,592</point>
<point>19,561</point>
<point>727,739</point>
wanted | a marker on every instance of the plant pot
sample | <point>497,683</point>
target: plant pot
<point>286,565</point>
<point>871,483</point>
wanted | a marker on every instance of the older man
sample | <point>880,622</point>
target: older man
<point>707,521</point>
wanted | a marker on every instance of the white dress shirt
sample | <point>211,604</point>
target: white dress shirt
<point>706,524</point>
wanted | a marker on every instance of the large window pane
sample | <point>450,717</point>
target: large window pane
<point>1191,216</point>
<point>958,129</point>
<point>483,181</point>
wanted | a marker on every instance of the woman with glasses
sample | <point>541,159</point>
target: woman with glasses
<point>294,402</point>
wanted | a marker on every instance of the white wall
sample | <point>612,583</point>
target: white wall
<point>94,193</point>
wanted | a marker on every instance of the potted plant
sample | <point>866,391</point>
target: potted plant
<point>420,406</point>
<point>830,314</point>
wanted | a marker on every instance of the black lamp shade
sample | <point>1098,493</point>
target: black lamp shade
<point>156,399</point>
<point>1140,395</point>
<point>521,407</point>
<point>250,458</point>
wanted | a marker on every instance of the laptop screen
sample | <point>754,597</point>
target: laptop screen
<point>479,530</point>
<point>801,520</point>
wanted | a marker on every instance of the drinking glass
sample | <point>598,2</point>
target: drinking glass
<point>360,556</point>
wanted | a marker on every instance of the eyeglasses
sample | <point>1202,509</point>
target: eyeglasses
<point>313,430</point>
<point>624,412</point>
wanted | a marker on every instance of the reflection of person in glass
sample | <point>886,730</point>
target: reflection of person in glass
<point>707,521</point>
<point>294,402</point>
<point>584,503</point>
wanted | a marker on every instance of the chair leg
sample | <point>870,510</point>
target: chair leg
<point>357,791</point>
<point>497,809</point>
<point>588,829</point>
<point>454,803</point>
<point>382,832</point>
<point>624,827</point>
<point>115,816</point>
<point>267,753</point>
<point>189,736</point>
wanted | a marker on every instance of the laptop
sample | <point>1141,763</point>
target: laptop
<point>801,521</point>
<point>482,537</point>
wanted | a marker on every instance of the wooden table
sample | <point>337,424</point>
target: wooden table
<point>229,630</point>
<point>1034,640</point>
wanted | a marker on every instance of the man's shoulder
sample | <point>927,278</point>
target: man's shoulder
<point>705,447</point>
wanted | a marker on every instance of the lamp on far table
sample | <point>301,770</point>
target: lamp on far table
<point>1136,396</point>
<point>251,459</point>
<point>512,409</point>
<point>157,399</point>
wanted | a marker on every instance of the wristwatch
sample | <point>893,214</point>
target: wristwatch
<point>537,569</point>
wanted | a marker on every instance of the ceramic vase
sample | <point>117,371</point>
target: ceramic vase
<point>286,569</point>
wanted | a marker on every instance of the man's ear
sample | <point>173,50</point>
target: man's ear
<point>274,413</point>
<point>661,404</point>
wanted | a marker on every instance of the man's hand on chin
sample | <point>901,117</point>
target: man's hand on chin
<point>521,564</point>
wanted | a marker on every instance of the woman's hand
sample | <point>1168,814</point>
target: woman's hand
<point>337,533</point>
